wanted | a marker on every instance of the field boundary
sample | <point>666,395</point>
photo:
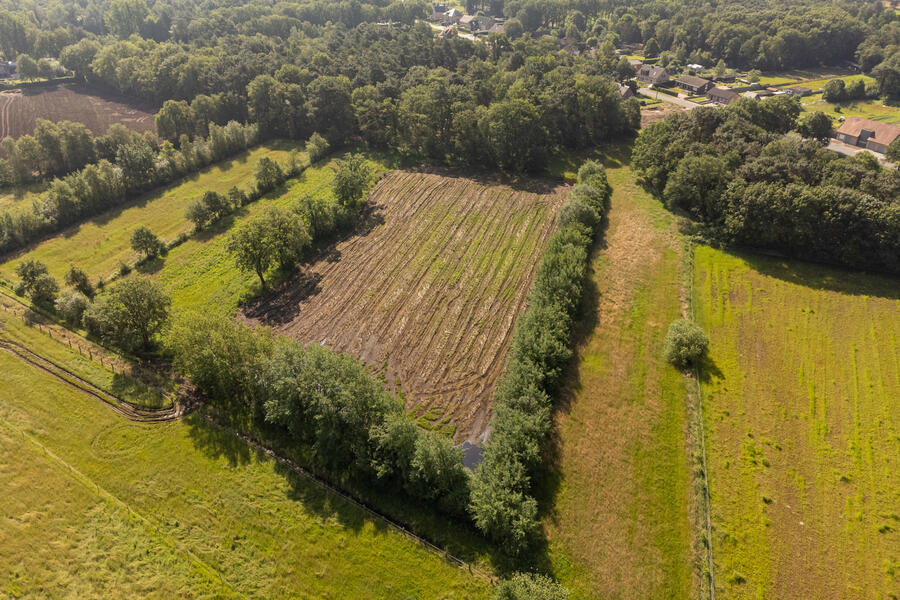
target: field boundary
<point>699,424</point>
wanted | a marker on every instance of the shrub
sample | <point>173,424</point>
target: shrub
<point>685,344</point>
<point>316,147</point>
<point>76,278</point>
<point>71,305</point>
<point>528,586</point>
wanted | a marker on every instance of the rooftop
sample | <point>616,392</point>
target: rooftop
<point>885,133</point>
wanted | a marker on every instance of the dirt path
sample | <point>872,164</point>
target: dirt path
<point>123,407</point>
<point>621,517</point>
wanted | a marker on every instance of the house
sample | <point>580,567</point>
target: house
<point>635,63</point>
<point>496,28</point>
<point>652,74</point>
<point>864,133</point>
<point>756,95</point>
<point>721,95</point>
<point>452,16</point>
<point>437,12</point>
<point>726,78</point>
<point>798,91</point>
<point>695,85</point>
<point>476,23</point>
<point>625,91</point>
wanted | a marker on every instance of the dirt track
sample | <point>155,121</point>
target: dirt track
<point>20,109</point>
<point>428,295</point>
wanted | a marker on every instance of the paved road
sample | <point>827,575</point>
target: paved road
<point>848,150</point>
<point>667,98</point>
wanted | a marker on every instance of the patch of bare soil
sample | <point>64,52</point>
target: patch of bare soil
<point>658,112</point>
<point>428,296</point>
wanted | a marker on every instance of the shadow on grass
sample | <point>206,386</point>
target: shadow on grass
<point>821,276</point>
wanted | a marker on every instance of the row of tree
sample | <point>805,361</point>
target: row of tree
<point>503,506</point>
<point>140,164</point>
<point>733,170</point>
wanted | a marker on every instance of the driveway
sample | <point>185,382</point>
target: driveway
<point>849,150</point>
<point>667,98</point>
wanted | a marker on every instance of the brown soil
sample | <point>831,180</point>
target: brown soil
<point>428,295</point>
<point>20,109</point>
<point>658,112</point>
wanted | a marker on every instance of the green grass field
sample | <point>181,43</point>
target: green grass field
<point>620,524</point>
<point>801,400</point>
<point>19,198</point>
<point>99,244</point>
<point>95,506</point>
<point>200,274</point>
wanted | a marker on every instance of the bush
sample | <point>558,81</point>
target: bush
<point>317,147</point>
<point>76,278</point>
<point>71,305</point>
<point>528,586</point>
<point>685,344</point>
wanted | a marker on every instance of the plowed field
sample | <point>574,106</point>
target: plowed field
<point>20,109</point>
<point>428,294</point>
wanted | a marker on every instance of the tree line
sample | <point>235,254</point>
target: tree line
<point>140,164</point>
<point>735,171</point>
<point>502,505</point>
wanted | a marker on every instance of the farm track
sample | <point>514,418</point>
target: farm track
<point>430,296</point>
<point>8,99</point>
<point>123,407</point>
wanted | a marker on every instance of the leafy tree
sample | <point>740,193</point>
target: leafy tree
<point>129,314</point>
<point>268,175</point>
<point>754,75</point>
<point>685,344</point>
<point>893,151</point>
<point>515,136</point>
<point>76,278</point>
<point>817,126</point>
<point>137,161</point>
<point>834,91</point>
<point>146,242</point>
<point>696,186</point>
<point>44,289</point>
<point>651,48</point>
<point>71,305</point>
<point>198,213</point>
<point>78,57</point>
<point>529,586</point>
<point>125,17</point>
<point>237,197</point>
<point>513,28</point>
<point>351,178</point>
<point>27,67</point>
<point>253,248</point>
<point>316,147</point>
<point>887,74</point>
<point>174,119</point>
<point>29,270</point>
<point>289,235</point>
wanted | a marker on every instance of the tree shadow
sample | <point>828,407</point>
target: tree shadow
<point>150,266</point>
<point>708,370</point>
<point>821,276</point>
<point>220,442</point>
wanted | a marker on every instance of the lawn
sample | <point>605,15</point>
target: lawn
<point>620,524</point>
<point>868,109</point>
<point>802,417</point>
<point>98,245</point>
<point>96,506</point>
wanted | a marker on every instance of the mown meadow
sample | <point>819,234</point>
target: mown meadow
<point>95,506</point>
<point>101,243</point>
<point>801,396</point>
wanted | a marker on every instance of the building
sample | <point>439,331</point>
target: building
<point>625,91</point>
<point>695,66</point>
<point>635,63</point>
<point>7,69</point>
<point>721,95</point>
<point>864,133</point>
<point>452,17</point>
<point>726,78</point>
<point>694,85</point>
<point>652,74</point>
<point>799,91</point>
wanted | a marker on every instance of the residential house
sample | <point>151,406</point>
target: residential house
<point>437,12</point>
<point>496,28</point>
<point>476,24</point>
<point>635,63</point>
<point>874,135</point>
<point>756,95</point>
<point>721,95</point>
<point>695,85</point>
<point>799,91</point>
<point>625,91</point>
<point>652,74</point>
<point>452,16</point>
<point>726,78</point>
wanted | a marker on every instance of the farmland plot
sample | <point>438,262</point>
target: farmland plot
<point>430,293</point>
<point>803,434</point>
<point>20,109</point>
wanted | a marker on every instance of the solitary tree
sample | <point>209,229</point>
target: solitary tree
<point>351,179</point>
<point>252,248</point>
<point>268,174</point>
<point>129,314</point>
<point>145,241</point>
<point>685,343</point>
